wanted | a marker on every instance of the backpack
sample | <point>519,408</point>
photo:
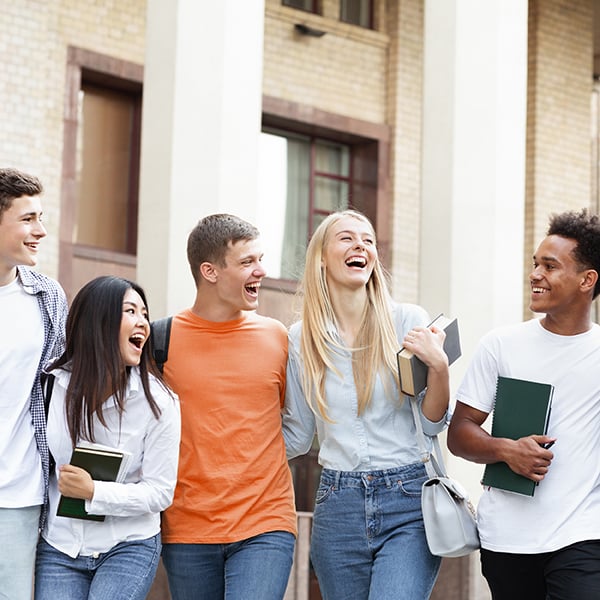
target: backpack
<point>160,334</point>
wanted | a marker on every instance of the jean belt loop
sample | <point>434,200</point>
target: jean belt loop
<point>388,480</point>
<point>336,483</point>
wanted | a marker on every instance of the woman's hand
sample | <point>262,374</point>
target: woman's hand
<point>75,482</point>
<point>428,345</point>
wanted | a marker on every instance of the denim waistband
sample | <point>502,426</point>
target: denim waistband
<point>386,477</point>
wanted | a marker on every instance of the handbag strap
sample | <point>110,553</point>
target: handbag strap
<point>434,461</point>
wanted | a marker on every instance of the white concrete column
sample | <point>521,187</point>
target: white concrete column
<point>473,190</point>
<point>200,131</point>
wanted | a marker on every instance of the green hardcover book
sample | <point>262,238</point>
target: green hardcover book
<point>102,465</point>
<point>522,408</point>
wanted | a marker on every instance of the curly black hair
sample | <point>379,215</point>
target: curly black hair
<point>584,228</point>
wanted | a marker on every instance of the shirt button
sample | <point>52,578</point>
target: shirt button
<point>95,555</point>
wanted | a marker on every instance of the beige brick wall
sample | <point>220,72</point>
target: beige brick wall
<point>342,72</point>
<point>33,46</point>
<point>404,20</point>
<point>369,75</point>
<point>558,115</point>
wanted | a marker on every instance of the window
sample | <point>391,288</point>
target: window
<point>302,179</point>
<point>311,163</point>
<point>308,5</point>
<point>100,173</point>
<point>357,12</point>
<point>108,140</point>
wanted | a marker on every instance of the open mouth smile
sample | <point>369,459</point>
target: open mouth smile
<point>357,261</point>
<point>252,289</point>
<point>137,340</point>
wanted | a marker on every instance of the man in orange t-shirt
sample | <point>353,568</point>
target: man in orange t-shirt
<point>232,524</point>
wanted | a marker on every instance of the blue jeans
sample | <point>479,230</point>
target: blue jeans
<point>254,569</point>
<point>18,538</point>
<point>125,572</point>
<point>368,538</point>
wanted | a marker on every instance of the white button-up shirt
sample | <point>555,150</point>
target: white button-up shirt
<point>382,437</point>
<point>132,508</point>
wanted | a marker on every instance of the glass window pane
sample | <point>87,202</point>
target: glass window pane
<point>288,163</point>
<point>284,202</point>
<point>308,5</point>
<point>357,12</point>
<point>330,194</point>
<point>103,168</point>
<point>332,158</point>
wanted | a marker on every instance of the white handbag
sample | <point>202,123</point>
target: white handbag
<point>449,517</point>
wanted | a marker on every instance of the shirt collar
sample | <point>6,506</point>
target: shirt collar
<point>28,281</point>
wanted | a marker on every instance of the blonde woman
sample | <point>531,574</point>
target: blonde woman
<point>368,540</point>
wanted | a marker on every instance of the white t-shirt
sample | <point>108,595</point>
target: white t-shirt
<point>21,342</point>
<point>566,505</point>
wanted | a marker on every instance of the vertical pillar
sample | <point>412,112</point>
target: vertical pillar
<point>473,178</point>
<point>200,131</point>
<point>473,185</point>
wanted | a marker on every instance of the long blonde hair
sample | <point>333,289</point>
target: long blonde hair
<point>376,343</point>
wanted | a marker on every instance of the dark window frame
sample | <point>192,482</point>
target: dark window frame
<point>370,144</point>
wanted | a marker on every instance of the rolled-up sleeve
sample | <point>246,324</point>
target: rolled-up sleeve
<point>298,420</point>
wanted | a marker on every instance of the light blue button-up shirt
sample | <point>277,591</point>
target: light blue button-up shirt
<point>383,437</point>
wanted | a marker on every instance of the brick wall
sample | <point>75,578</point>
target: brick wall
<point>558,115</point>
<point>33,46</point>
<point>374,76</point>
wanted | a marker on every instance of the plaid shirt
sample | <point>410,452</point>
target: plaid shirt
<point>53,306</point>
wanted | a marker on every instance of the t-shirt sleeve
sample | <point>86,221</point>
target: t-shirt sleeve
<point>478,386</point>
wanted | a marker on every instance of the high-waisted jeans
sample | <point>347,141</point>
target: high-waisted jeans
<point>368,538</point>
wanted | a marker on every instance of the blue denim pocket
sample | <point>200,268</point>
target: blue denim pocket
<point>412,487</point>
<point>323,492</point>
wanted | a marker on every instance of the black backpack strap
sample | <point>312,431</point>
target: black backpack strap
<point>47,383</point>
<point>160,332</point>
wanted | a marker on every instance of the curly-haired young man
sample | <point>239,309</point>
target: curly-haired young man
<point>547,545</point>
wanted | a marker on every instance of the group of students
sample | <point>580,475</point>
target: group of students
<point>209,487</point>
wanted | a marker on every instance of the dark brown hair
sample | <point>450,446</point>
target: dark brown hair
<point>14,184</point>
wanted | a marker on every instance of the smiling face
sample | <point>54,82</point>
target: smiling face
<point>135,328</point>
<point>556,279</point>
<point>349,253</point>
<point>21,230</point>
<point>238,280</point>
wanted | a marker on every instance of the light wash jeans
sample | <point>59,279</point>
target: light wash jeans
<point>18,539</point>
<point>368,538</point>
<point>125,572</point>
<point>254,569</point>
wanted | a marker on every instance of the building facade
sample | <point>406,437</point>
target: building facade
<point>458,126</point>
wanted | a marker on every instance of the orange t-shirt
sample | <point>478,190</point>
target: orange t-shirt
<point>233,481</point>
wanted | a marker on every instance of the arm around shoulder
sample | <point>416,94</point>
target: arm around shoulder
<point>298,419</point>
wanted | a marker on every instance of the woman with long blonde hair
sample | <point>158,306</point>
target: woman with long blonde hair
<point>368,539</point>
